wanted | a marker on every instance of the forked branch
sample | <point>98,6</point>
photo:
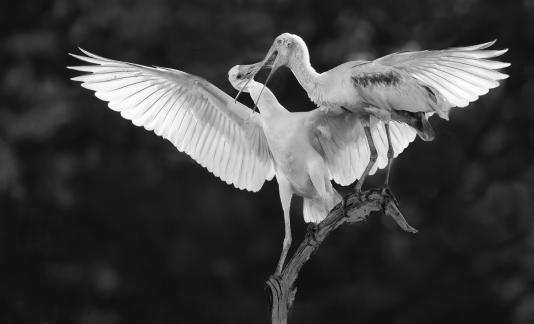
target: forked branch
<point>358,208</point>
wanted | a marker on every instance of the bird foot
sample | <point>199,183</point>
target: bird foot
<point>357,192</point>
<point>360,194</point>
<point>312,233</point>
<point>390,207</point>
<point>274,284</point>
<point>358,188</point>
<point>386,192</point>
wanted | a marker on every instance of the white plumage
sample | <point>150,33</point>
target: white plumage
<point>459,75</point>
<point>198,118</point>
<point>401,87</point>
<point>305,150</point>
<point>346,149</point>
<point>311,148</point>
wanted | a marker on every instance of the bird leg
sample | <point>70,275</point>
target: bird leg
<point>286,245</point>
<point>386,191</point>
<point>285,199</point>
<point>372,157</point>
<point>390,154</point>
<point>261,91</point>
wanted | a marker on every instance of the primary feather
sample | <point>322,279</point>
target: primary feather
<point>433,81</point>
<point>198,118</point>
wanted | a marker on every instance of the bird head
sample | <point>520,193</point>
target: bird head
<point>284,48</point>
<point>235,76</point>
<point>240,76</point>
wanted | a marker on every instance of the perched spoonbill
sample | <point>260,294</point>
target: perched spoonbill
<point>243,148</point>
<point>406,87</point>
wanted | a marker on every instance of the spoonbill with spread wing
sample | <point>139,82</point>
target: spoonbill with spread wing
<point>405,87</point>
<point>305,150</point>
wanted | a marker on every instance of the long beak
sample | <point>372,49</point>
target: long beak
<point>268,62</point>
<point>246,83</point>
<point>264,85</point>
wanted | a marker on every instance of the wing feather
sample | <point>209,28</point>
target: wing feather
<point>343,145</point>
<point>198,118</point>
<point>203,140</point>
<point>458,75</point>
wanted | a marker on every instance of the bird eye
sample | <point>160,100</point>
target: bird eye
<point>239,75</point>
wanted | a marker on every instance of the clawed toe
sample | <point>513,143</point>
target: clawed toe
<point>386,192</point>
<point>312,232</point>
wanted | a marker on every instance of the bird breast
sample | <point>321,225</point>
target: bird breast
<point>292,152</point>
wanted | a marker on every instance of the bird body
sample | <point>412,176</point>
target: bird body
<point>300,169</point>
<point>358,85</point>
<point>404,87</point>
<point>304,150</point>
<point>423,81</point>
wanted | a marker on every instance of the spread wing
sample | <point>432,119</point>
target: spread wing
<point>430,80</point>
<point>340,139</point>
<point>198,118</point>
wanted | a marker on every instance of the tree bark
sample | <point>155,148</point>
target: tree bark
<point>358,208</point>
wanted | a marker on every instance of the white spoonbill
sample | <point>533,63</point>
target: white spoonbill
<point>304,150</point>
<point>407,87</point>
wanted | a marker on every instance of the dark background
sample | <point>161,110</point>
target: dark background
<point>102,222</point>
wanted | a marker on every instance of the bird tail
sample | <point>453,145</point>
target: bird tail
<point>316,209</point>
<point>417,120</point>
<point>424,129</point>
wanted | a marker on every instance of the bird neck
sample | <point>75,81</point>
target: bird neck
<point>267,102</point>
<point>300,65</point>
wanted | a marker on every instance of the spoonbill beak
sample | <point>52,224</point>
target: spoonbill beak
<point>268,62</point>
<point>248,72</point>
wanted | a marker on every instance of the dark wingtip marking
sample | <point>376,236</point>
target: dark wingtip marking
<point>417,120</point>
<point>390,78</point>
<point>431,94</point>
<point>345,109</point>
<point>427,132</point>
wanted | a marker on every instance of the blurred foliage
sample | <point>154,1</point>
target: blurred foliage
<point>101,222</point>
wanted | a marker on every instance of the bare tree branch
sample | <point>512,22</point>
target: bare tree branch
<point>359,207</point>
